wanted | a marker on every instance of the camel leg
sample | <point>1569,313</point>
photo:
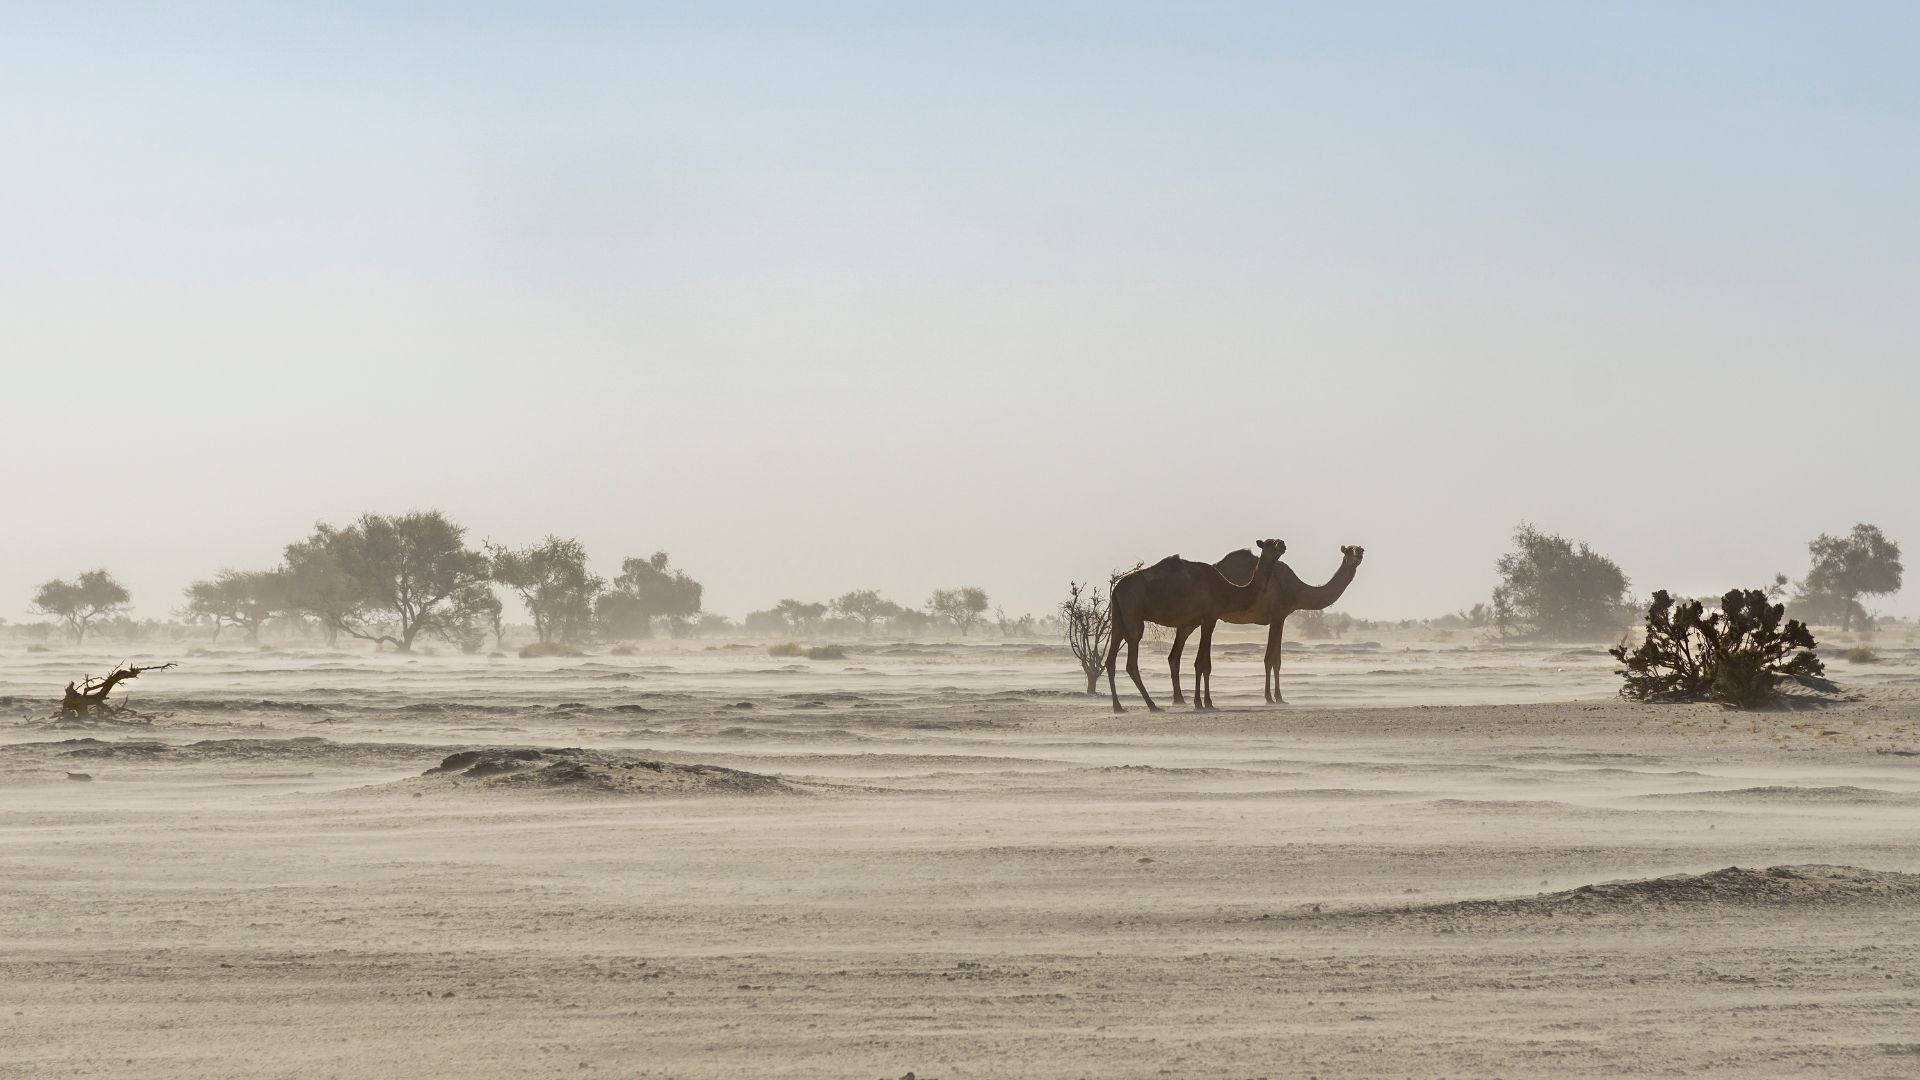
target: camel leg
<point>1270,678</point>
<point>1133,666</point>
<point>1113,652</point>
<point>1203,668</point>
<point>1173,660</point>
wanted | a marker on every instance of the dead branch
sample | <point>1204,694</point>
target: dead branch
<point>89,696</point>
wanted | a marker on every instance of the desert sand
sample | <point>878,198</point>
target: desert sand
<point>1440,859</point>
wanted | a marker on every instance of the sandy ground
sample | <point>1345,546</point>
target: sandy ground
<point>964,869</point>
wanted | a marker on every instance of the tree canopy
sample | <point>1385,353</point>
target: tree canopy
<point>864,606</point>
<point>1554,588</point>
<point>1864,562</point>
<point>553,581</point>
<point>648,589</point>
<point>413,571</point>
<point>963,606</point>
<point>78,602</point>
<point>242,598</point>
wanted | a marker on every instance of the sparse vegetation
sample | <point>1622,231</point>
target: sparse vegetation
<point>77,603</point>
<point>787,648</point>
<point>1733,656</point>
<point>1552,588</point>
<point>1860,654</point>
<point>1087,622</point>
<point>407,575</point>
<point>865,606</point>
<point>963,606</point>
<point>554,583</point>
<point>242,598</point>
<point>826,652</point>
<point>1844,569</point>
<point>648,589</point>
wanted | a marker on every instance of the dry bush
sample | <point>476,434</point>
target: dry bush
<point>786,648</point>
<point>1860,654</point>
<point>1734,656</point>
<point>826,652</point>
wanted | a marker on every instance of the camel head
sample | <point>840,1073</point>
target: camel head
<point>1278,547</point>
<point>1353,551</point>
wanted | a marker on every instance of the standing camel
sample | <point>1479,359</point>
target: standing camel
<point>1179,592</point>
<point>1285,594</point>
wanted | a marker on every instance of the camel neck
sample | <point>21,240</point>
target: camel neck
<point>1318,597</point>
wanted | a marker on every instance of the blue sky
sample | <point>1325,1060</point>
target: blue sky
<point>839,295</point>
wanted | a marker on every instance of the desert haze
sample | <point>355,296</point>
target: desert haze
<point>946,859</point>
<point>943,540</point>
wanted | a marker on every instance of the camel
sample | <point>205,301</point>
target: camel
<point>1285,594</point>
<point>1179,592</point>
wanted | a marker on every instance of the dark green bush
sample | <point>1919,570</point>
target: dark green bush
<point>1733,656</point>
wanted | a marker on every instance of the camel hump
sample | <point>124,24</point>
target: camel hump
<point>1169,561</point>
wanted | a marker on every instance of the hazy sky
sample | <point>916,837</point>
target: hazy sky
<point>822,296</point>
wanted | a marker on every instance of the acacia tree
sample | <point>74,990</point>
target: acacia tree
<point>647,589</point>
<point>801,615</point>
<point>552,579</point>
<point>78,602</point>
<point>963,606</point>
<point>242,598</point>
<point>414,571</point>
<point>1845,568</point>
<point>317,586</point>
<point>865,606</point>
<point>1557,589</point>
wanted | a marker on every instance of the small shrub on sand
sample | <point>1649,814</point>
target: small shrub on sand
<point>786,648</point>
<point>623,650</point>
<point>826,652</point>
<point>37,648</point>
<point>550,648</point>
<point>1733,656</point>
<point>1860,654</point>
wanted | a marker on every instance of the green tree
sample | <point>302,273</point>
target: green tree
<point>242,598</point>
<point>410,574</point>
<point>1558,589</point>
<point>82,600</point>
<point>963,606</point>
<point>648,589</point>
<point>1845,568</point>
<point>864,606</point>
<point>552,579</point>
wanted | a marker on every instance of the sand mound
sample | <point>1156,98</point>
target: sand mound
<point>1775,886</point>
<point>1843,793</point>
<point>582,772</point>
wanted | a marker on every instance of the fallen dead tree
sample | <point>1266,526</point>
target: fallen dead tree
<point>87,699</point>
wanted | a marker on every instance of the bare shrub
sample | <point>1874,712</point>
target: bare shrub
<point>826,652</point>
<point>786,648</point>
<point>1087,621</point>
